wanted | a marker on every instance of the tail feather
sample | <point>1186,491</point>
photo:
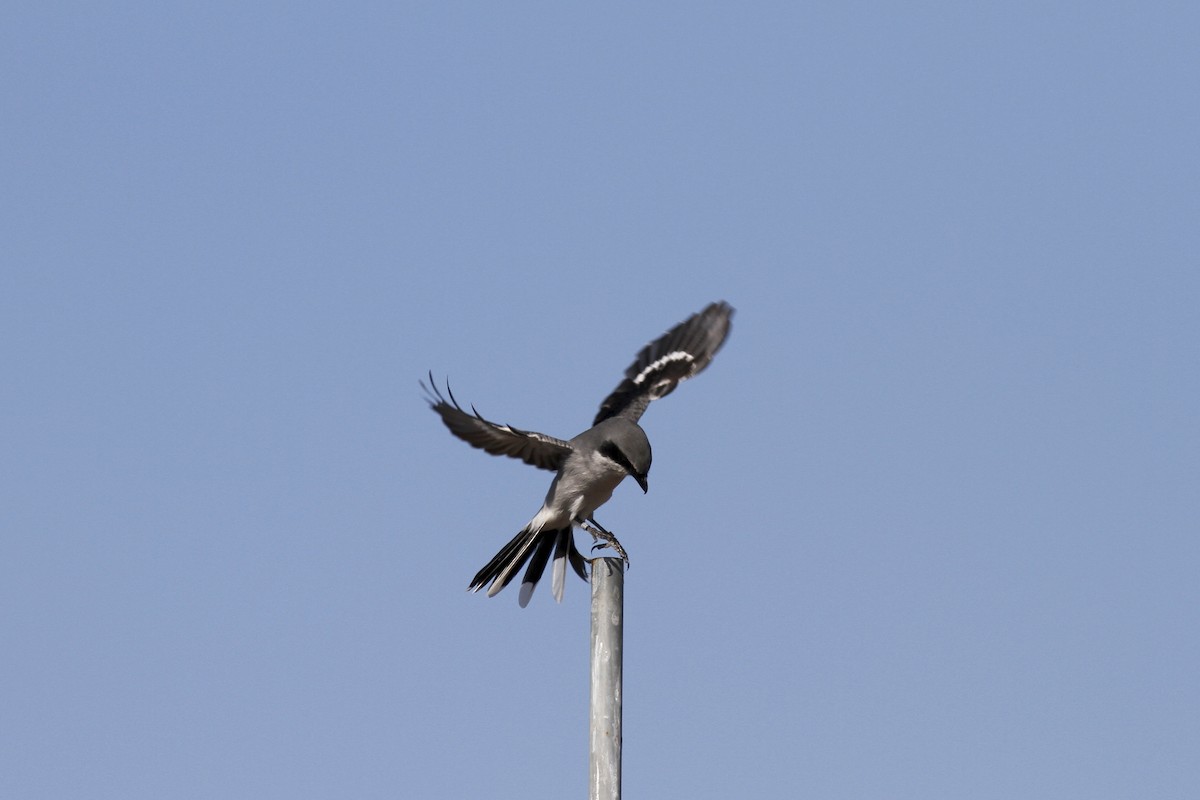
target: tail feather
<point>577,560</point>
<point>534,547</point>
<point>558,578</point>
<point>537,565</point>
<point>500,570</point>
<point>564,553</point>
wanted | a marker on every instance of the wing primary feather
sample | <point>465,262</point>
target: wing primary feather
<point>679,354</point>
<point>535,449</point>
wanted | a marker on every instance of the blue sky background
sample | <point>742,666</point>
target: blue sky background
<point>926,528</point>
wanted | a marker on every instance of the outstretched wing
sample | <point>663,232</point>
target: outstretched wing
<point>536,449</point>
<point>675,356</point>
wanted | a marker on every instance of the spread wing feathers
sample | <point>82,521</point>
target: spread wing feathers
<point>533,448</point>
<point>675,356</point>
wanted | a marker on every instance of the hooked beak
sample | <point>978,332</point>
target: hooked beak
<point>641,481</point>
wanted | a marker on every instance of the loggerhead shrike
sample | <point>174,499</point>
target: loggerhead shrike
<point>590,466</point>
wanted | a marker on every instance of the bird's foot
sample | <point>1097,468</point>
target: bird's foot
<point>604,538</point>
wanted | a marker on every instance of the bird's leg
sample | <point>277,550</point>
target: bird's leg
<point>603,538</point>
<point>595,528</point>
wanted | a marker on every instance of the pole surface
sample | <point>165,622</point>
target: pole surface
<point>608,623</point>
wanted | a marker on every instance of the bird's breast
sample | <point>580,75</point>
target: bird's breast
<point>583,485</point>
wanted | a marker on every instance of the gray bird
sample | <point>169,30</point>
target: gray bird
<point>590,466</point>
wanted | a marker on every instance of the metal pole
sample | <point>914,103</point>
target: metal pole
<point>608,623</point>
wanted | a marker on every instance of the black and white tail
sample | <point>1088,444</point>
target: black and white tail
<point>536,547</point>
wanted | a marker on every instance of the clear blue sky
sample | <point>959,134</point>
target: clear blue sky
<point>927,528</point>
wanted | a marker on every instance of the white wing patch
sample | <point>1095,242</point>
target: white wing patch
<point>678,355</point>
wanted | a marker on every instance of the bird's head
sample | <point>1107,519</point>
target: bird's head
<point>625,443</point>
